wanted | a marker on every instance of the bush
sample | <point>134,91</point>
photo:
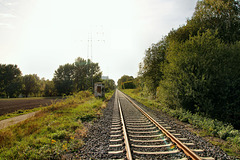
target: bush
<point>202,75</point>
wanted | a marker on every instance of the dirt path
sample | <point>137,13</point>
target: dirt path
<point>11,121</point>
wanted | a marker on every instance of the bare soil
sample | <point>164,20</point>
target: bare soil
<point>9,106</point>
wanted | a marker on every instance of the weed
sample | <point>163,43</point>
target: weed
<point>59,135</point>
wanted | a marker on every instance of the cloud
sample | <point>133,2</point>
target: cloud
<point>11,3</point>
<point>6,25</point>
<point>7,15</point>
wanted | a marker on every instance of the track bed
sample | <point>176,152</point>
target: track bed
<point>106,138</point>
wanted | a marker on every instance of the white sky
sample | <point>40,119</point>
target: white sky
<point>40,35</point>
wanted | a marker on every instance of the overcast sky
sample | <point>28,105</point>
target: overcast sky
<point>40,35</point>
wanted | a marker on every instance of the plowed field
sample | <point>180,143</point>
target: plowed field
<point>8,105</point>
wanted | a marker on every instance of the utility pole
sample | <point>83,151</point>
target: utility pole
<point>90,50</point>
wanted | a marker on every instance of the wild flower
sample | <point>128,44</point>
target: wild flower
<point>53,141</point>
<point>64,147</point>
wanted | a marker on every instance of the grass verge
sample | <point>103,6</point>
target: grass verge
<point>28,98</point>
<point>54,131</point>
<point>19,112</point>
<point>218,133</point>
<point>25,111</point>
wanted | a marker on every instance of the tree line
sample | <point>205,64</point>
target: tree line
<point>126,82</point>
<point>196,66</point>
<point>68,78</point>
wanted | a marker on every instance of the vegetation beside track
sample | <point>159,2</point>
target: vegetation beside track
<point>54,131</point>
<point>223,135</point>
<point>19,112</point>
<point>28,98</point>
<point>13,107</point>
<point>196,66</point>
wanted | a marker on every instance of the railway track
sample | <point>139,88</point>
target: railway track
<point>137,135</point>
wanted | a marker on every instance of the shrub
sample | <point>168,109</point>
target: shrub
<point>200,77</point>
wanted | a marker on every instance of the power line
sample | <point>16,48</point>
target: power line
<point>90,49</point>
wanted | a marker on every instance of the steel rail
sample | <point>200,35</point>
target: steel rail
<point>127,146</point>
<point>180,145</point>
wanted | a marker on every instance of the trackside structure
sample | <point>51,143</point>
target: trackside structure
<point>99,89</point>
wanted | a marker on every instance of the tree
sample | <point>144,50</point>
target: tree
<point>42,86</point>
<point>78,76</point>
<point>222,16</point>
<point>202,75</point>
<point>126,82</point>
<point>49,89</point>
<point>10,80</point>
<point>196,67</point>
<point>86,74</point>
<point>152,67</point>
<point>64,79</point>
<point>38,88</point>
<point>109,85</point>
<point>30,84</point>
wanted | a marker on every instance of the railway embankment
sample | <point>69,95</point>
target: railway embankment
<point>54,132</point>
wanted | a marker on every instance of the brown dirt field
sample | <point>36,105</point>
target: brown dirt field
<point>8,105</point>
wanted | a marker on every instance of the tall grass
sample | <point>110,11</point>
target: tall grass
<point>210,127</point>
<point>52,132</point>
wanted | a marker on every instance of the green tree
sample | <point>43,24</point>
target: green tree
<point>202,75</point>
<point>42,85</point>
<point>30,84</point>
<point>109,85</point>
<point>10,80</point>
<point>220,15</point>
<point>215,15</point>
<point>64,79</point>
<point>152,67</point>
<point>49,89</point>
<point>196,66</point>
<point>126,82</point>
<point>38,87</point>
<point>81,75</point>
<point>86,74</point>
